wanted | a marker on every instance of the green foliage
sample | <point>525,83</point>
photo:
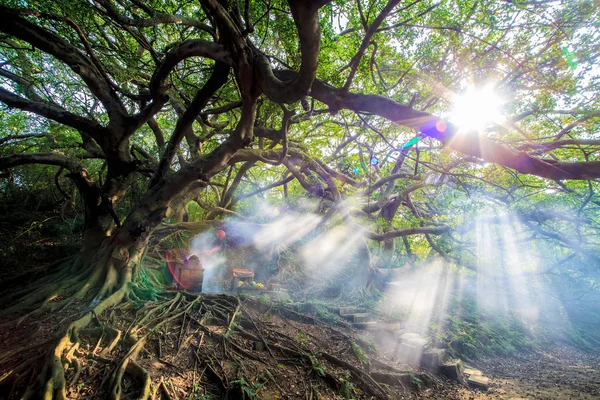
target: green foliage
<point>367,343</point>
<point>418,382</point>
<point>470,333</point>
<point>324,314</point>
<point>316,366</point>
<point>249,389</point>
<point>360,354</point>
<point>421,56</point>
<point>347,389</point>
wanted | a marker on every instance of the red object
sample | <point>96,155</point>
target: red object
<point>220,233</point>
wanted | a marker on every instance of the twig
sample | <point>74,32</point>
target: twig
<point>262,339</point>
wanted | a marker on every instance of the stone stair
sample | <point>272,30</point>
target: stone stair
<point>413,348</point>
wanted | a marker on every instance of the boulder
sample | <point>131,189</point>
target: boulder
<point>398,333</point>
<point>279,295</point>
<point>417,342</point>
<point>406,336</point>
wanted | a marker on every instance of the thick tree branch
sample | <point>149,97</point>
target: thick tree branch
<point>549,146</point>
<point>158,133</point>
<point>53,112</point>
<point>367,39</point>
<point>57,159</point>
<point>217,79</point>
<point>431,230</point>
<point>155,20</point>
<point>265,188</point>
<point>436,128</point>
<point>307,22</point>
<point>181,51</point>
<point>21,137</point>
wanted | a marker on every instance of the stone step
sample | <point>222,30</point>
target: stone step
<point>360,317</point>
<point>398,333</point>
<point>409,353</point>
<point>388,326</point>
<point>406,336</point>
<point>418,342</point>
<point>479,382</point>
<point>369,325</point>
<point>432,359</point>
<point>453,370</point>
<point>472,371</point>
<point>345,311</point>
<point>392,379</point>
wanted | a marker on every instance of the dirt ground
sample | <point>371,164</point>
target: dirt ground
<point>559,372</point>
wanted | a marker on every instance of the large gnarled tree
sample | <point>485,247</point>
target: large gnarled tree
<point>244,84</point>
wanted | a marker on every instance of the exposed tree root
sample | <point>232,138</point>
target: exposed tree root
<point>208,329</point>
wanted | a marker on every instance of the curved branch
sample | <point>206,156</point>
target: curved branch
<point>53,112</point>
<point>307,22</point>
<point>21,137</point>
<point>155,20</point>
<point>367,39</point>
<point>431,230</point>
<point>24,84</point>
<point>217,79</point>
<point>15,160</point>
<point>576,123</point>
<point>265,188</point>
<point>228,195</point>
<point>183,50</point>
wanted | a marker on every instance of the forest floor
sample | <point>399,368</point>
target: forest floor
<point>558,372</point>
<point>187,360</point>
<point>198,354</point>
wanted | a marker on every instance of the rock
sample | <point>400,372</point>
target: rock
<point>432,359</point>
<point>479,382</point>
<point>417,342</point>
<point>346,311</point>
<point>250,291</point>
<point>453,370</point>
<point>307,308</point>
